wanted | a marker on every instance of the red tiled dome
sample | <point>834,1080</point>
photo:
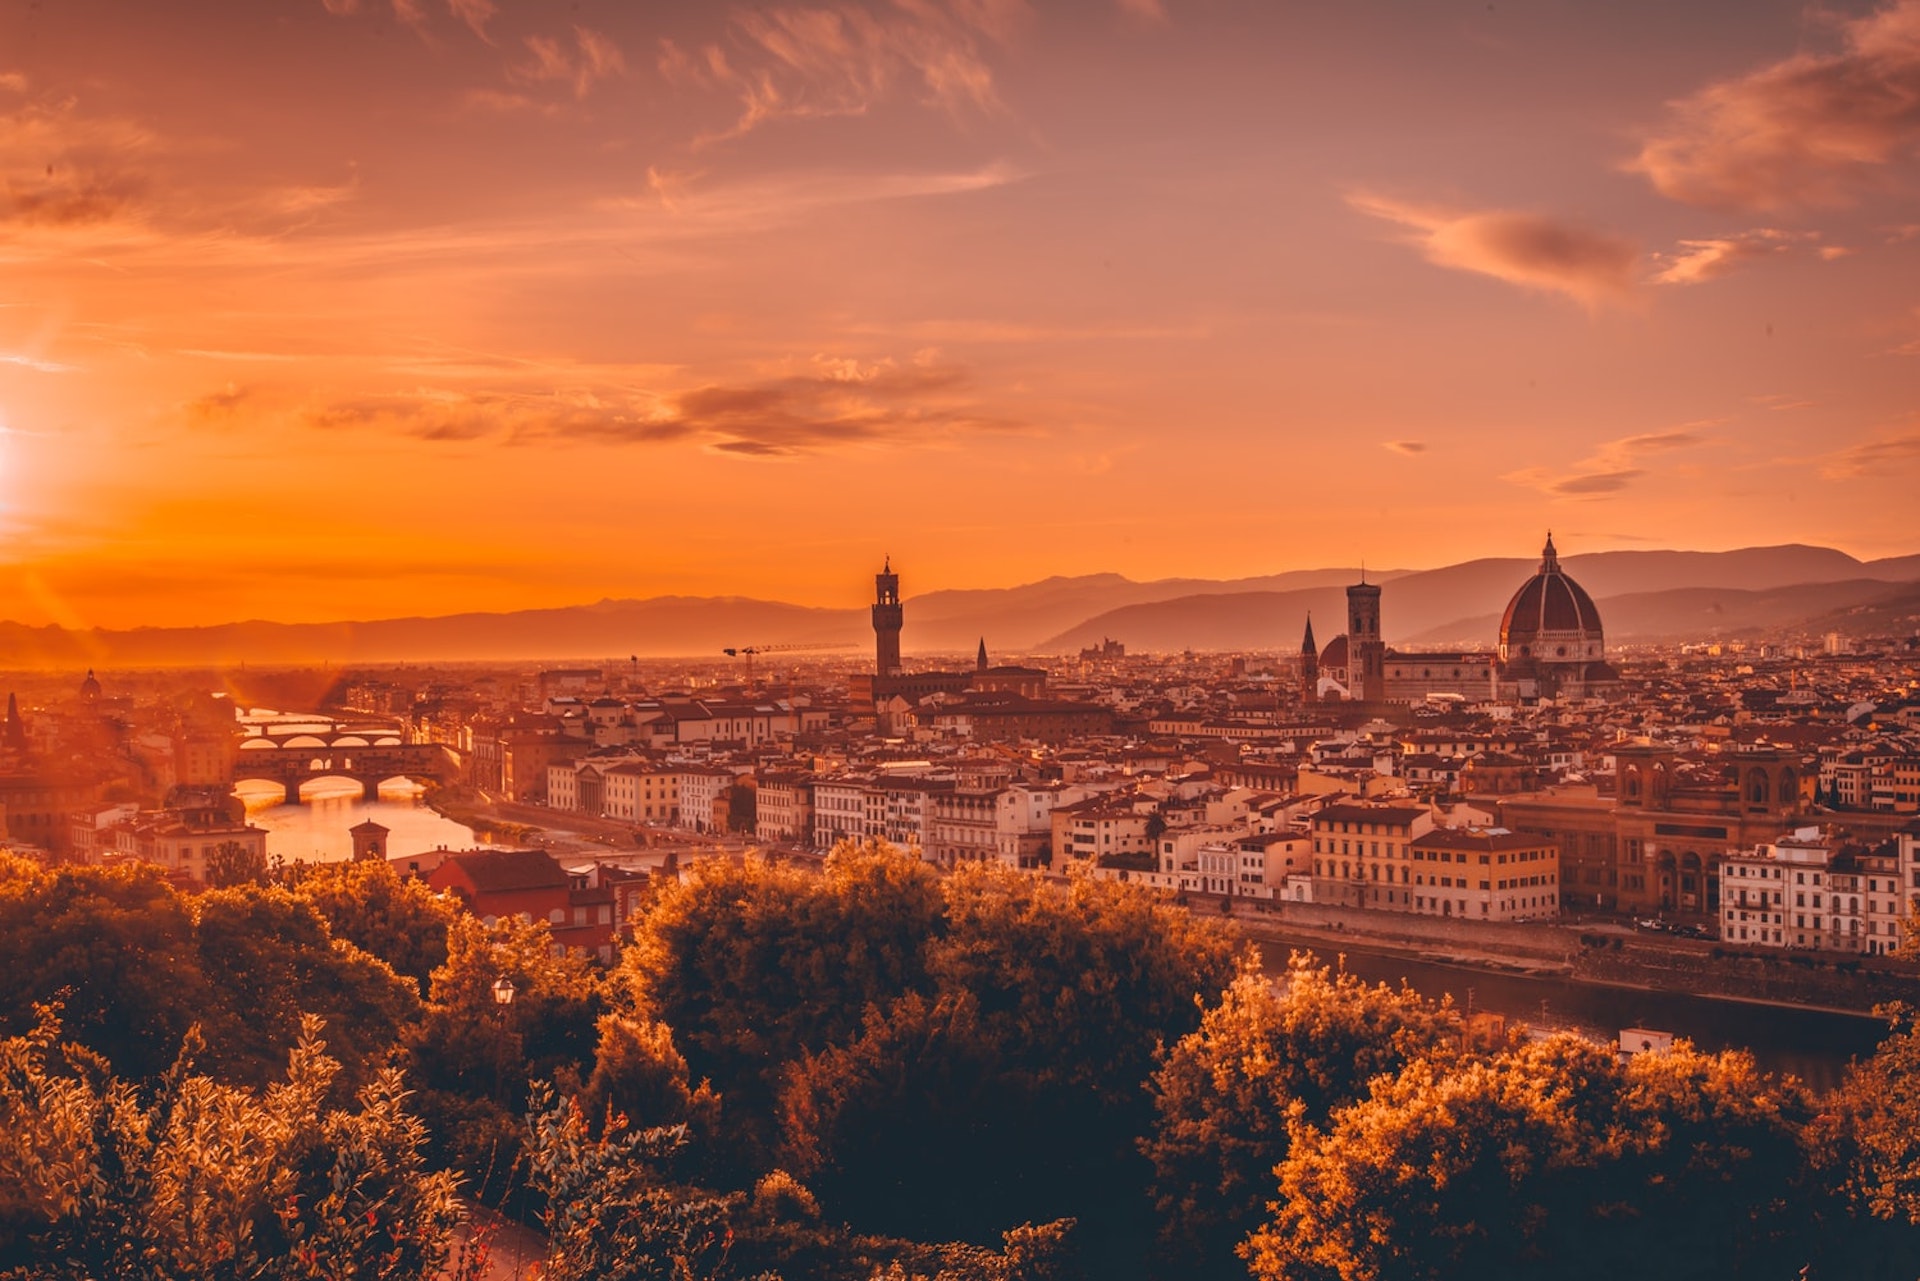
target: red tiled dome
<point>1551,617</point>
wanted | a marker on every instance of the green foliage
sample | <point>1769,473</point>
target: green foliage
<point>1547,1160</point>
<point>115,946</point>
<point>269,958</point>
<point>753,964</point>
<point>1078,986</point>
<point>393,917</point>
<point>206,1180</point>
<point>233,863</point>
<point>1017,1085</point>
<point>609,1215</point>
<point>1265,1059</point>
<point>639,1074</point>
<point>905,1130</point>
<point>472,1060</point>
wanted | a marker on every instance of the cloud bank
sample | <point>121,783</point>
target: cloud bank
<point>1811,130</point>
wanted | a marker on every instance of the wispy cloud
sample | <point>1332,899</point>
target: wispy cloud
<point>591,58</point>
<point>1897,450</point>
<point>825,404</point>
<point>60,167</point>
<point>1698,261</point>
<point>843,59</point>
<point>1615,466</point>
<point>1813,129</point>
<point>1528,249</point>
<point>1408,447</point>
<point>475,13</point>
<point>218,406</point>
<point>33,362</point>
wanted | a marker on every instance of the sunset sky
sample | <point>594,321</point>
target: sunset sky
<point>318,309</point>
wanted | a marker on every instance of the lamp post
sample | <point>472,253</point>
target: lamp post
<point>502,1001</point>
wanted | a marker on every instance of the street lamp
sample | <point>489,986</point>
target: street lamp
<point>503,992</point>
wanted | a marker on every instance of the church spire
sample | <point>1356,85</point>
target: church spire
<point>1306,643</point>
<point>980,661</point>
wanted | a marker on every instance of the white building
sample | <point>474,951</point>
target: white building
<point>1807,890</point>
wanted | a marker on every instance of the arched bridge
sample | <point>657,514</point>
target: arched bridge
<point>292,765</point>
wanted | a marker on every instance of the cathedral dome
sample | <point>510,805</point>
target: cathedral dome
<point>1334,656</point>
<point>1551,619</point>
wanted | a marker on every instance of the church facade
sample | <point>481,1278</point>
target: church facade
<point>1551,645</point>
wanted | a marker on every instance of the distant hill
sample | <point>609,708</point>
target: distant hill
<point>1021,618</point>
<point>1460,605</point>
<point>1642,594</point>
<point>1712,613</point>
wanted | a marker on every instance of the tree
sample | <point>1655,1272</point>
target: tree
<point>609,1215</point>
<point>906,1130</point>
<point>1547,1159</point>
<point>207,1180</point>
<point>268,960</point>
<point>235,863</point>
<point>1015,1087</point>
<point>472,1059</point>
<point>1266,1058</point>
<point>394,917</point>
<point>1866,1158</point>
<point>753,964</point>
<point>115,946</point>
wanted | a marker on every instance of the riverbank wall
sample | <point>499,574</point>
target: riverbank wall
<point>1597,954</point>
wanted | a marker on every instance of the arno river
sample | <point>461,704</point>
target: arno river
<point>316,832</point>
<point>1814,1045</point>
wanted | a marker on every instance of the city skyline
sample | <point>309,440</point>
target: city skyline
<point>373,308</point>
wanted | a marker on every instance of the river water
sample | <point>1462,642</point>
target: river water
<point>1814,1045</point>
<point>316,831</point>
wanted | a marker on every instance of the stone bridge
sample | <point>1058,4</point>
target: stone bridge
<point>292,765</point>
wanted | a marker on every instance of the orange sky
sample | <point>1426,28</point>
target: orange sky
<point>314,309</point>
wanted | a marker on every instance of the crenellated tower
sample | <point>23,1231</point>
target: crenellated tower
<point>887,621</point>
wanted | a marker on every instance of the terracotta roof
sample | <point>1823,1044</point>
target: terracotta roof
<point>502,871</point>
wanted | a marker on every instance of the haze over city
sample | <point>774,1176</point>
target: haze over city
<point>355,309</point>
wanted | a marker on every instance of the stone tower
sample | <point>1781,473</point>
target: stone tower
<point>1366,652</point>
<point>887,620</point>
<point>369,841</point>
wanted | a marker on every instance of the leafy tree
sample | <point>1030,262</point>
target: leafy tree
<point>906,1129</point>
<point>1550,1159</point>
<point>207,1180</point>
<point>1079,986</point>
<point>268,959</point>
<point>1017,1086</point>
<point>115,946</point>
<point>753,963</point>
<point>1866,1157</point>
<point>639,1074</point>
<point>609,1214</point>
<point>472,1059</point>
<point>1266,1058</point>
<point>235,863</point>
<point>394,917</point>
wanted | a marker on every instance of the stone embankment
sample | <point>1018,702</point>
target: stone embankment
<point>1588,952</point>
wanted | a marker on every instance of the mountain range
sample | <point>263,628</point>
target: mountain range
<point>1642,596</point>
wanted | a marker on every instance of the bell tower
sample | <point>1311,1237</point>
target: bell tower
<point>887,620</point>
<point>1366,652</point>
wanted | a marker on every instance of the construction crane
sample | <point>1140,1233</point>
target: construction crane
<point>748,651</point>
